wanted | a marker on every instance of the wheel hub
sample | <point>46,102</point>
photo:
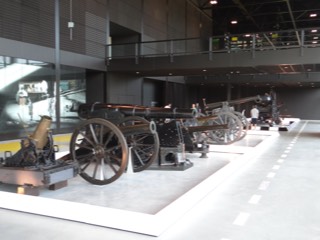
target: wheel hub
<point>99,151</point>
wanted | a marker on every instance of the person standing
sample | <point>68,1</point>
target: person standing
<point>254,116</point>
<point>22,99</point>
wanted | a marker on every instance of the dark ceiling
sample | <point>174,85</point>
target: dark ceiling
<point>261,15</point>
<point>254,16</point>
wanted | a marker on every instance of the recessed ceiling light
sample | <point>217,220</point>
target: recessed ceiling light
<point>314,30</point>
<point>234,22</point>
<point>315,38</point>
<point>204,70</point>
<point>313,15</point>
<point>314,42</point>
<point>213,2</point>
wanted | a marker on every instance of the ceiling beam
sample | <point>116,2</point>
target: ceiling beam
<point>293,21</point>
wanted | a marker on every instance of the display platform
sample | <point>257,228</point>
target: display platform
<point>148,202</point>
<point>286,125</point>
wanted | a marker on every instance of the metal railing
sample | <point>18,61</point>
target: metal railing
<point>277,40</point>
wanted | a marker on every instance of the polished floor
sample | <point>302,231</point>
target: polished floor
<point>272,195</point>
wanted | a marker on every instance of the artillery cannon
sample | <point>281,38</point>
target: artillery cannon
<point>130,121</point>
<point>35,164</point>
<point>170,142</point>
<point>269,108</point>
<point>225,114</point>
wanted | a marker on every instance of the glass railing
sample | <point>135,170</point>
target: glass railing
<point>277,40</point>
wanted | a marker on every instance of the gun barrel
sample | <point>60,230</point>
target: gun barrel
<point>257,99</point>
<point>206,118</point>
<point>40,134</point>
<point>86,110</point>
<point>138,129</point>
<point>207,128</point>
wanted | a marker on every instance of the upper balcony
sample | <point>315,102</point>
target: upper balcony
<point>257,54</point>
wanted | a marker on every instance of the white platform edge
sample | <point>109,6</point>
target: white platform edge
<point>148,224</point>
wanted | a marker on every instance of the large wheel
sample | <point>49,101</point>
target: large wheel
<point>100,149</point>
<point>225,136</point>
<point>245,124</point>
<point>144,145</point>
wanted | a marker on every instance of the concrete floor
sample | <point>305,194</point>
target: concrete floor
<point>271,194</point>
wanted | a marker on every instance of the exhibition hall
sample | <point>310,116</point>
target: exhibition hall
<point>152,119</point>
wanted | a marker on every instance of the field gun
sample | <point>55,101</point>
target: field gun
<point>173,137</point>
<point>225,114</point>
<point>124,115</point>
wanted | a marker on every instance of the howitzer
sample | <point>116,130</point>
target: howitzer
<point>36,149</point>
<point>35,163</point>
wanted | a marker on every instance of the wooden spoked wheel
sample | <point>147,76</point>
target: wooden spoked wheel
<point>100,149</point>
<point>225,136</point>
<point>245,124</point>
<point>144,145</point>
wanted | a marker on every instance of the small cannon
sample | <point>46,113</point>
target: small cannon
<point>36,149</point>
<point>35,163</point>
<point>225,114</point>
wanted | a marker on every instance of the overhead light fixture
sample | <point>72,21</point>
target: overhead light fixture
<point>234,22</point>
<point>213,2</point>
<point>314,30</point>
<point>313,15</point>
<point>314,42</point>
<point>315,38</point>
